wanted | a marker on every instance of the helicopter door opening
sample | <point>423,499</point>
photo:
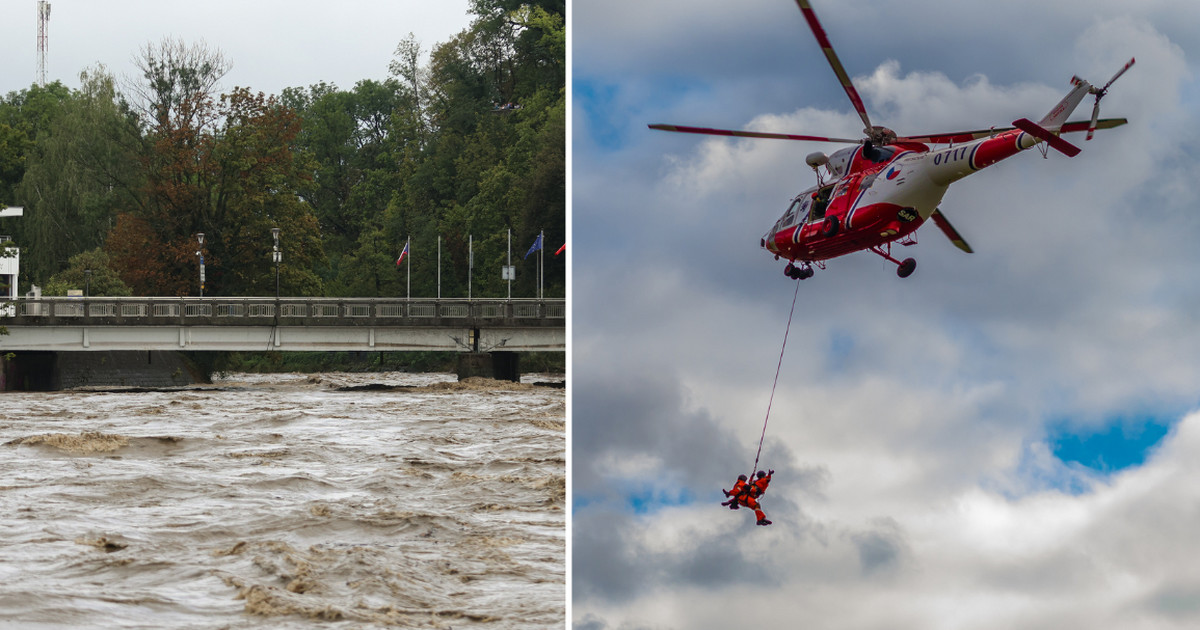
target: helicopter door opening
<point>820,202</point>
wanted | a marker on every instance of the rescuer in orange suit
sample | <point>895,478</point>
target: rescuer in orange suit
<point>745,493</point>
<point>735,494</point>
<point>760,484</point>
<point>756,490</point>
<point>749,501</point>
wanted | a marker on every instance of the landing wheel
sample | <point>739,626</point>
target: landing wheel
<point>907,267</point>
<point>806,273</point>
<point>830,227</point>
<point>790,271</point>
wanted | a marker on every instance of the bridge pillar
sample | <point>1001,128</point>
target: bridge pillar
<point>502,366</point>
<point>53,371</point>
<point>30,372</point>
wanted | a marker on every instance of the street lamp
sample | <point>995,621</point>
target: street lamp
<point>200,253</point>
<point>278,256</point>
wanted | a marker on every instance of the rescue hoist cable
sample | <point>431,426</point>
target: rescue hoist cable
<point>771,400</point>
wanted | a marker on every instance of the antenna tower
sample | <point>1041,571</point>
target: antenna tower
<point>43,19</point>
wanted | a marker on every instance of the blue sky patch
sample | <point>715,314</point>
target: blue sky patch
<point>841,347</point>
<point>652,500</point>
<point>1119,444</point>
<point>598,101</point>
<point>638,501</point>
<point>609,115</point>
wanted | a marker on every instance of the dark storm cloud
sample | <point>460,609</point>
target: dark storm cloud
<point>635,414</point>
<point>613,565</point>
<point>881,547</point>
<point>606,564</point>
<point>632,411</point>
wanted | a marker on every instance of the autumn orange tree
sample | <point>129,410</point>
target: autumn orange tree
<point>152,245</point>
<point>227,168</point>
<point>257,178</point>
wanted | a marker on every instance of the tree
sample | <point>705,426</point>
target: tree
<point>80,174</point>
<point>229,169</point>
<point>258,178</point>
<point>102,281</point>
<point>177,80</point>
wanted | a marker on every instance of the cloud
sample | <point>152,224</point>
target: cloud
<point>916,420</point>
<point>978,559</point>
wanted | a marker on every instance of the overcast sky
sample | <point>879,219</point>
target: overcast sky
<point>273,44</point>
<point>1009,438</point>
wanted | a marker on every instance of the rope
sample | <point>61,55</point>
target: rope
<point>771,400</point>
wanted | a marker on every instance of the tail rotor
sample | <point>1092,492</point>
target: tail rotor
<point>1100,92</point>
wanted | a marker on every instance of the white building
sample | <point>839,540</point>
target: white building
<point>10,260</point>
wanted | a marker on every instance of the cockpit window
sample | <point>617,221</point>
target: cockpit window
<point>878,154</point>
<point>796,211</point>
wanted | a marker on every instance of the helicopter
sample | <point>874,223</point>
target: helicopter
<point>882,190</point>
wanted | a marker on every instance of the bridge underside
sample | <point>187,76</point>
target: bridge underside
<point>281,338</point>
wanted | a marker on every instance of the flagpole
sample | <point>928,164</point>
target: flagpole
<point>541,263</point>
<point>470,261</point>
<point>408,246</point>
<point>510,263</point>
<point>439,266</point>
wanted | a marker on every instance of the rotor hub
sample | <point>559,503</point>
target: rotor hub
<point>880,136</point>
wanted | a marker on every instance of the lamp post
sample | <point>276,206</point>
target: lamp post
<point>200,253</point>
<point>87,283</point>
<point>278,256</point>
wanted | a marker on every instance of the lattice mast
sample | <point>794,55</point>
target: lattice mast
<point>43,10</point>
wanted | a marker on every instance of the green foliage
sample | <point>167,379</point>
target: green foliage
<point>463,150</point>
<point>102,281</point>
<point>79,174</point>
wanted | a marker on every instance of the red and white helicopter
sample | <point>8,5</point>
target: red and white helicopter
<point>882,190</point>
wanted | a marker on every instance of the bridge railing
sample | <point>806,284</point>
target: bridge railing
<point>223,311</point>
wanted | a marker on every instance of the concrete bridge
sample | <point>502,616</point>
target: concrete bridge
<point>286,324</point>
<point>59,343</point>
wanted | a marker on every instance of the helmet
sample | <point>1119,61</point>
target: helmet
<point>761,474</point>
<point>741,477</point>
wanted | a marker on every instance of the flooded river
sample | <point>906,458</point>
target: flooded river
<point>286,501</point>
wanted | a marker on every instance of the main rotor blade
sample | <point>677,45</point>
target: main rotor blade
<point>966,136</point>
<point>749,134</point>
<point>955,136</point>
<point>950,232</point>
<point>811,17</point>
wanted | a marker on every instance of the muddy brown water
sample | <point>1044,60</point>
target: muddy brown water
<point>278,501</point>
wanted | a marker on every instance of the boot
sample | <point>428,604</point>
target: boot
<point>764,521</point>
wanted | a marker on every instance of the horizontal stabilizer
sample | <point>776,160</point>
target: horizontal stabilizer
<point>1031,128</point>
<point>1103,123</point>
<point>967,136</point>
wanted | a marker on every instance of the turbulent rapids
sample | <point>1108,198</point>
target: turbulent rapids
<point>286,501</point>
